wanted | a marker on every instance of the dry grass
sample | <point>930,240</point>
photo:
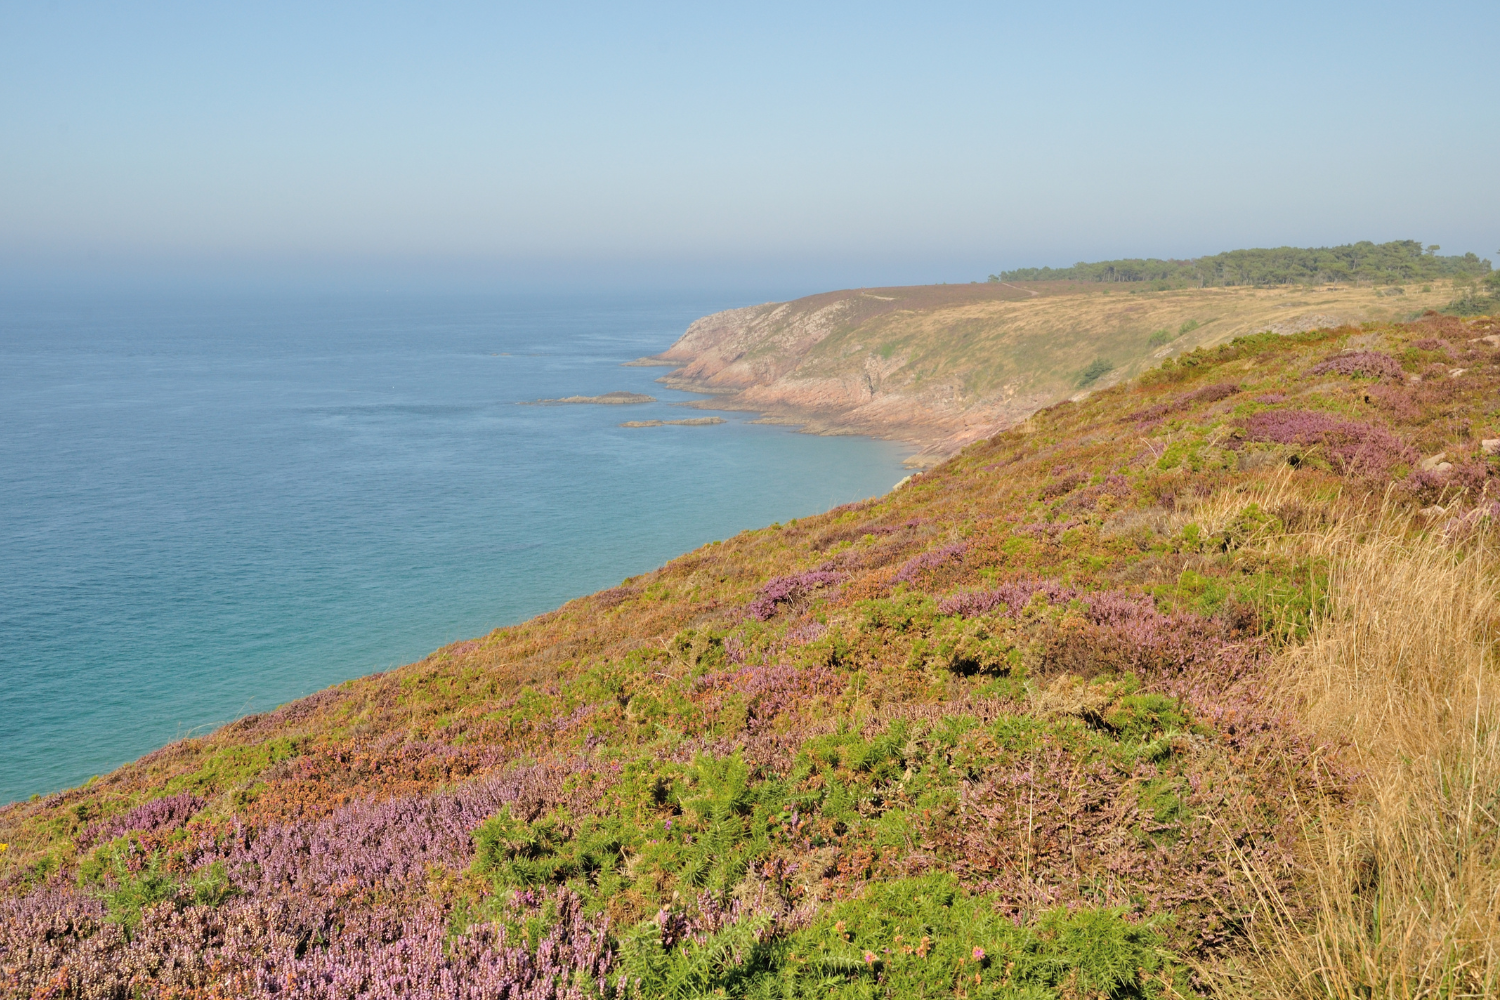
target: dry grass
<point>1276,494</point>
<point>1404,885</point>
<point>1041,343</point>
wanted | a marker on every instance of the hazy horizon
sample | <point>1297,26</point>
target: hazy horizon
<point>461,147</point>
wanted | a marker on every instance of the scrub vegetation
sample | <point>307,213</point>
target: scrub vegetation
<point>1185,688</point>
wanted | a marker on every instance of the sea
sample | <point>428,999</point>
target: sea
<point>211,505</point>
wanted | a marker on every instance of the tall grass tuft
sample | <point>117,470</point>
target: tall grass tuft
<point>1403,897</point>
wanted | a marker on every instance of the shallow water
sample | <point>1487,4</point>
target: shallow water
<point>209,507</point>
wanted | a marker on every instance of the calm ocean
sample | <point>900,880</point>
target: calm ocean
<point>209,507</point>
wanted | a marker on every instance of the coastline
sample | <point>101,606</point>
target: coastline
<point>326,532</point>
<point>940,367</point>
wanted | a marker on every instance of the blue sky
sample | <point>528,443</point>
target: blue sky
<point>804,145</point>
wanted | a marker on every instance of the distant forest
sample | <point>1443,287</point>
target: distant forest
<point>1370,263</point>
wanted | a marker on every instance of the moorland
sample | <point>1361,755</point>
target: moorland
<point>1183,687</point>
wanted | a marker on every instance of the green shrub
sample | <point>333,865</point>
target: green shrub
<point>211,885</point>
<point>553,848</point>
<point>911,938</point>
<point>126,893</point>
<point>904,611</point>
<point>1094,371</point>
<point>976,646</point>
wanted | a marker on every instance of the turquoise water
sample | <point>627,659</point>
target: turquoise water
<point>209,507</point>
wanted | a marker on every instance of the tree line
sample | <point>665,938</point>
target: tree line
<point>1371,263</point>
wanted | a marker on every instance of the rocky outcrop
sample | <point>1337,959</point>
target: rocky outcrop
<point>617,398</point>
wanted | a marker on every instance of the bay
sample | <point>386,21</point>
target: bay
<point>213,505</point>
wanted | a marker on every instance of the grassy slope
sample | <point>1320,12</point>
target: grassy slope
<point>1004,350</point>
<point>996,733</point>
<point>1044,342</point>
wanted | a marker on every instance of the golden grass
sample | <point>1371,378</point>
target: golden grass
<point>1275,493</point>
<point>1040,343</point>
<point>1404,883</point>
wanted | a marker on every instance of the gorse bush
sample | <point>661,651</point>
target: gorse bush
<point>704,864</point>
<point>126,892</point>
<point>722,854</point>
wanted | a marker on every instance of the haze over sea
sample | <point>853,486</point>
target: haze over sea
<point>211,506</point>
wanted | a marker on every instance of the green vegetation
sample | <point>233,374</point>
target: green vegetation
<point>130,878</point>
<point>671,854</point>
<point>1094,371</point>
<point>1371,263</point>
<point>1475,298</point>
<point>919,937</point>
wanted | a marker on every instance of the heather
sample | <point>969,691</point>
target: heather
<point>1081,712</point>
<point>1351,447</point>
<point>1370,364</point>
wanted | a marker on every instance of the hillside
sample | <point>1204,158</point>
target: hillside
<point>1185,688</point>
<point>944,365</point>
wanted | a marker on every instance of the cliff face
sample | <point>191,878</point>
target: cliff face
<point>944,365</point>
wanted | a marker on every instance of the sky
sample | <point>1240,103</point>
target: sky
<point>806,146</point>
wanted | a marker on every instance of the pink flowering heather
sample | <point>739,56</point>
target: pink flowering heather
<point>806,632</point>
<point>769,690</point>
<point>782,590</point>
<point>1128,632</point>
<point>1366,364</point>
<point>162,814</point>
<point>415,957</point>
<point>1207,394</point>
<point>931,560</point>
<point>289,927</point>
<point>1011,597</point>
<point>1352,447</point>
